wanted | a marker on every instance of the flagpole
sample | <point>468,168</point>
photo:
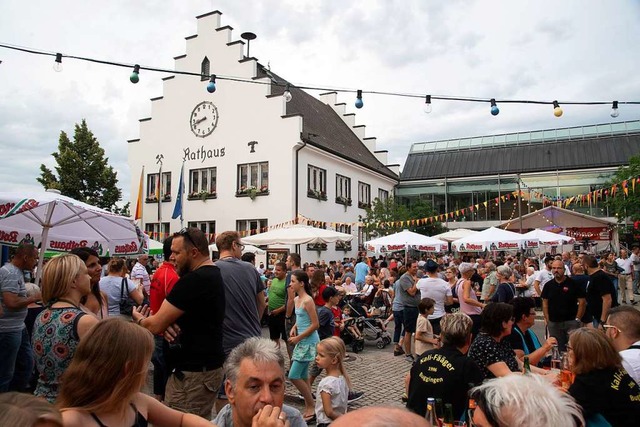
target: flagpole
<point>181,190</point>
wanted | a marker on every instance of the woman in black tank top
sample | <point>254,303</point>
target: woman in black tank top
<point>102,385</point>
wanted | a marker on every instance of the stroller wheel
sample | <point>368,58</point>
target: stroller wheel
<point>387,340</point>
<point>380,344</point>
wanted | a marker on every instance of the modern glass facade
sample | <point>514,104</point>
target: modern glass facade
<point>492,197</point>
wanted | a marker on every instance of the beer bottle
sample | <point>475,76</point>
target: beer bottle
<point>431,411</point>
<point>439,411</point>
<point>527,366</point>
<point>448,415</point>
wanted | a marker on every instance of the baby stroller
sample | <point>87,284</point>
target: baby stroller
<point>371,326</point>
<point>349,338</point>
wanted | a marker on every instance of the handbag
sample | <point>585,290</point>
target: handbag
<point>126,303</point>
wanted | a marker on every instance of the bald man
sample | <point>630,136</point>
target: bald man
<point>380,416</point>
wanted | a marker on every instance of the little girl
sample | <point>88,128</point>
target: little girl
<point>333,390</point>
<point>304,335</point>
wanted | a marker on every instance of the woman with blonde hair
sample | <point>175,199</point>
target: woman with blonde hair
<point>601,384</point>
<point>63,323</point>
<point>102,385</point>
<point>116,286</point>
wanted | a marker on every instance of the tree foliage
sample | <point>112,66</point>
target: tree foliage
<point>625,206</point>
<point>384,217</point>
<point>82,170</point>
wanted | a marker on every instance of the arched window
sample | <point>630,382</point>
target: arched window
<point>204,69</point>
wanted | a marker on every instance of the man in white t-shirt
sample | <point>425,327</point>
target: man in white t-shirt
<point>625,278</point>
<point>635,260</point>
<point>438,290</point>
<point>544,275</point>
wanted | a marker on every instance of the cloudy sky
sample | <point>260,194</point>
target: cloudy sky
<point>572,50</point>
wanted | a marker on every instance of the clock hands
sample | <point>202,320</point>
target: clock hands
<point>200,120</point>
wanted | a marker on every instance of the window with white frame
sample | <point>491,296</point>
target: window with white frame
<point>152,186</point>
<point>202,182</point>
<point>340,244</point>
<point>207,227</point>
<point>157,231</point>
<point>316,182</point>
<point>343,189</point>
<point>250,226</point>
<point>383,195</point>
<point>253,176</point>
<point>364,195</point>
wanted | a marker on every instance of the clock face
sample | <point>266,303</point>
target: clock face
<point>204,119</point>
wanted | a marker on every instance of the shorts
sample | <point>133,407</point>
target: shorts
<point>299,370</point>
<point>193,392</point>
<point>276,327</point>
<point>410,319</point>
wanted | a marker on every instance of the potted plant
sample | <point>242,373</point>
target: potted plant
<point>152,199</point>
<point>252,192</point>
<point>166,197</point>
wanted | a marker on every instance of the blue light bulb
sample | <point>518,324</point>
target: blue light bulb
<point>495,110</point>
<point>211,87</point>
<point>359,103</point>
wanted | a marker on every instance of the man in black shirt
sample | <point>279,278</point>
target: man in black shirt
<point>446,372</point>
<point>195,307</point>
<point>600,291</point>
<point>563,304</point>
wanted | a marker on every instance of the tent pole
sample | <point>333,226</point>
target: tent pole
<point>44,241</point>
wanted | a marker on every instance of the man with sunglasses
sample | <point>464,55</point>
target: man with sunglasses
<point>623,327</point>
<point>192,318</point>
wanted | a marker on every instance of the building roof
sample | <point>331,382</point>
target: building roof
<point>323,128</point>
<point>611,145</point>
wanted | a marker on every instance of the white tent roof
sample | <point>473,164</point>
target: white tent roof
<point>402,240</point>
<point>547,238</point>
<point>455,234</point>
<point>491,239</point>
<point>296,235</point>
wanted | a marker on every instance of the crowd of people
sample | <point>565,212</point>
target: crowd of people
<point>83,340</point>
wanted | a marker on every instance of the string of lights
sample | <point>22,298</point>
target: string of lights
<point>359,103</point>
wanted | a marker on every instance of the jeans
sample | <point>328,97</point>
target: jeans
<point>16,360</point>
<point>636,279</point>
<point>398,321</point>
<point>560,331</point>
<point>160,374</point>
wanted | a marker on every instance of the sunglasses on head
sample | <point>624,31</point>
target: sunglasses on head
<point>185,233</point>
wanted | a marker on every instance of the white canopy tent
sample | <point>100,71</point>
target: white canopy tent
<point>405,240</point>
<point>542,237</point>
<point>455,234</point>
<point>296,235</point>
<point>491,239</point>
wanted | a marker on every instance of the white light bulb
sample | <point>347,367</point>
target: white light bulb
<point>614,112</point>
<point>287,96</point>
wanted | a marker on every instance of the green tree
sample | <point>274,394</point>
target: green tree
<point>383,217</point>
<point>625,206</point>
<point>82,170</point>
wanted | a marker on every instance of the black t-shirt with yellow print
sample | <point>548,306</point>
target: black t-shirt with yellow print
<point>442,373</point>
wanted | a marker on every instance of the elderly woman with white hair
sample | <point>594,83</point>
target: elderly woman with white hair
<point>506,289</point>
<point>523,401</point>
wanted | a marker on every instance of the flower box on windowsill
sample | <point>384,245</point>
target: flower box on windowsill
<point>202,195</point>
<point>314,194</point>
<point>151,199</point>
<point>252,193</point>
<point>317,247</point>
<point>362,205</point>
<point>343,201</point>
<point>166,198</point>
<point>343,246</point>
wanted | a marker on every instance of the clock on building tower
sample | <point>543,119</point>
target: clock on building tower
<point>204,119</point>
